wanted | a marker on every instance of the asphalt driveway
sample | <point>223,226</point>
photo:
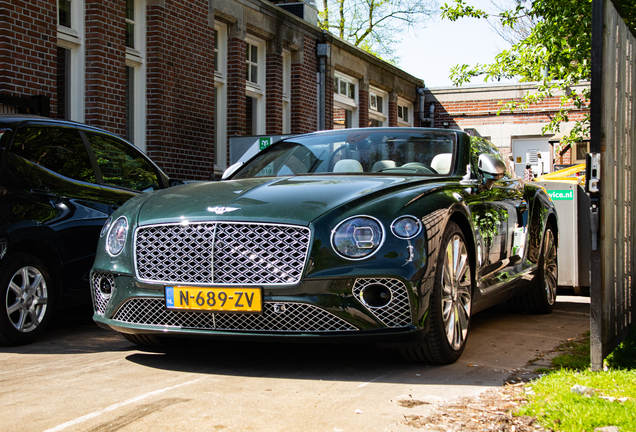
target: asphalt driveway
<point>80,377</point>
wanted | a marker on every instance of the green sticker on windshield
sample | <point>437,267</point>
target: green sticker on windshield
<point>264,143</point>
<point>561,195</point>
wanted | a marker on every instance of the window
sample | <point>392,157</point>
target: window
<point>345,87</point>
<point>345,109</point>
<point>63,83</point>
<point>378,107</point>
<point>220,95</point>
<point>581,151</point>
<point>64,13</point>
<point>58,149</point>
<point>70,60</point>
<point>404,113</point>
<point>130,103</point>
<point>122,165</point>
<point>135,91</point>
<point>255,85</point>
<point>252,63</point>
<point>130,23</point>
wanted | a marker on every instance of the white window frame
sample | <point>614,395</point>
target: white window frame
<point>344,100</point>
<point>220,85</point>
<point>378,112</point>
<point>405,104</point>
<point>136,58</point>
<point>73,39</point>
<point>286,91</point>
<point>257,90</point>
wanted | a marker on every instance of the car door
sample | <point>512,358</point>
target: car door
<point>501,217</point>
<point>51,183</point>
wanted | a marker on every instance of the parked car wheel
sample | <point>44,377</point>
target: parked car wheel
<point>541,297</point>
<point>26,290</point>
<point>451,303</point>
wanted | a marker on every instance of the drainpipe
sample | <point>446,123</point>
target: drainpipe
<point>323,51</point>
<point>425,120</point>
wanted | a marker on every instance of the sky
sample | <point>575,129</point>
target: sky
<point>430,52</point>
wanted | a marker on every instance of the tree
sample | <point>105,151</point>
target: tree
<point>556,53</point>
<point>374,25</point>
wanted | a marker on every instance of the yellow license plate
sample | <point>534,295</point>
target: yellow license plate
<point>214,299</point>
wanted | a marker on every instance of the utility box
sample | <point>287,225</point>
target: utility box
<point>573,209</point>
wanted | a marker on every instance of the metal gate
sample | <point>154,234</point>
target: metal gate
<point>611,181</point>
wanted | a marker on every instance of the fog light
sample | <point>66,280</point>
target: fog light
<point>105,287</point>
<point>376,296</point>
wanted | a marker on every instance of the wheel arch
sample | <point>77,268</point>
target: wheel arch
<point>45,253</point>
<point>464,225</point>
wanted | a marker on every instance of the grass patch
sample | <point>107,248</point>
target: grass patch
<point>553,403</point>
<point>556,406</point>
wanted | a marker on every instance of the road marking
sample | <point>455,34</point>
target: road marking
<point>86,417</point>
<point>372,381</point>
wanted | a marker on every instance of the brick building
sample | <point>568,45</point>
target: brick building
<point>475,108</point>
<point>179,78</point>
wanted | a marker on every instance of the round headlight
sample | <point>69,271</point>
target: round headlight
<point>117,236</point>
<point>406,227</point>
<point>357,237</point>
<point>106,227</point>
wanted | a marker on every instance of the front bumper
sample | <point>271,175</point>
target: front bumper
<point>327,310</point>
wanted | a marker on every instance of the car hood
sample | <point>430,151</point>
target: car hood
<point>295,200</point>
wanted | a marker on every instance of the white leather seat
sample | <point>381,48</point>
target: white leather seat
<point>383,164</point>
<point>347,165</point>
<point>442,163</point>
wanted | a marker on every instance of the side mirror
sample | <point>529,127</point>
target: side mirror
<point>491,167</point>
<point>231,170</point>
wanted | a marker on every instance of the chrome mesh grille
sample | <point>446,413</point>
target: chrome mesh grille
<point>100,301</point>
<point>221,253</point>
<point>296,317</point>
<point>397,313</point>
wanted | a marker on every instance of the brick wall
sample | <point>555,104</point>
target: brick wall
<point>393,118</point>
<point>466,114</point>
<point>106,65</point>
<point>236,85</point>
<point>363,107</point>
<point>274,94</point>
<point>28,48</point>
<point>304,98</point>
<point>180,88</point>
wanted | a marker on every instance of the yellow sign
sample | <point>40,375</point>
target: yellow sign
<point>214,299</point>
<point>518,159</point>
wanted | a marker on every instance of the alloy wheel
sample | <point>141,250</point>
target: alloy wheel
<point>27,299</point>
<point>550,267</point>
<point>456,292</point>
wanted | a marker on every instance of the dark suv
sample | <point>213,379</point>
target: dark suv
<point>59,182</point>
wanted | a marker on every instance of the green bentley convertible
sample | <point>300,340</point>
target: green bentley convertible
<point>393,236</point>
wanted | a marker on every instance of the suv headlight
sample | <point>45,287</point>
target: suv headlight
<point>357,237</point>
<point>117,236</point>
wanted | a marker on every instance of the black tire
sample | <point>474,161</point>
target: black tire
<point>26,290</point>
<point>450,305</point>
<point>541,296</point>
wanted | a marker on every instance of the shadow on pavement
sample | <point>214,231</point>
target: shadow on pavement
<point>499,343</point>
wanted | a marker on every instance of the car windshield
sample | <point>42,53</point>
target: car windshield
<point>381,152</point>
